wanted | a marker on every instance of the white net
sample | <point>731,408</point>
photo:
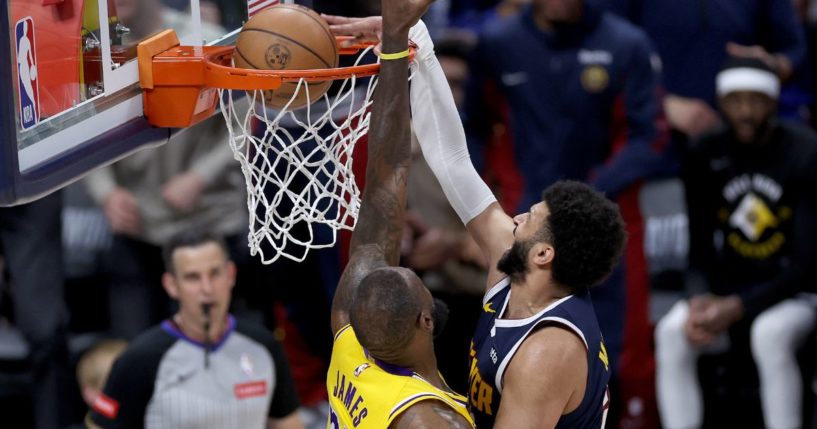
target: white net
<point>298,165</point>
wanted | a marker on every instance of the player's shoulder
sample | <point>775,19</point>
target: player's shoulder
<point>551,349</point>
<point>554,338</point>
<point>430,414</point>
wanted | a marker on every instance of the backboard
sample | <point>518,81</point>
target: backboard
<point>73,102</point>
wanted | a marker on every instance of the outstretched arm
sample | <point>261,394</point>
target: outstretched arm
<point>442,139</point>
<point>376,239</point>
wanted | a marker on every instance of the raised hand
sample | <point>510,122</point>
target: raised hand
<point>361,30</point>
<point>400,15</point>
<point>377,236</point>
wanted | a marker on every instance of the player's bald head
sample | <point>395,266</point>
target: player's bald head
<point>385,310</point>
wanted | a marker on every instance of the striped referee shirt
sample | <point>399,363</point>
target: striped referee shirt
<point>160,382</point>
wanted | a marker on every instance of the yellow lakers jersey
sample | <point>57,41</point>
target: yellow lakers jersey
<point>366,395</point>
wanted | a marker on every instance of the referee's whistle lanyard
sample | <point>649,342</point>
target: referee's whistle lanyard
<point>208,343</point>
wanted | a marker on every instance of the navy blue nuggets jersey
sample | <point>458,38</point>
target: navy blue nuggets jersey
<point>497,339</point>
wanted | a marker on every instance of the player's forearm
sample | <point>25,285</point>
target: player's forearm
<point>382,211</point>
<point>440,133</point>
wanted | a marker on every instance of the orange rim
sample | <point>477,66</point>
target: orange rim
<point>179,82</point>
<point>220,74</point>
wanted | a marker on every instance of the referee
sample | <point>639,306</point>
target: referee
<point>201,368</point>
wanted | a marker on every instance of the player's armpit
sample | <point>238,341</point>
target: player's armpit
<point>545,379</point>
<point>493,231</point>
<point>429,414</point>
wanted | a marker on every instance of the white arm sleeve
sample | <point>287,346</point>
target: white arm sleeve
<point>439,131</point>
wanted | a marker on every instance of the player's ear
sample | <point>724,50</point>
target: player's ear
<point>426,321</point>
<point>542,254</point>
<point>169,283</point>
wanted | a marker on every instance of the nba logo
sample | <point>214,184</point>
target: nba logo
<point>29,91</point>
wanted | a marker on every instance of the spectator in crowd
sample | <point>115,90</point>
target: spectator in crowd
<point>200,367</point>
<point>694,38</point>
<point>148,197</point>
<point>580,89</point>
<point>753,224</point>
<point>93,369</point>
<point>31,247</point>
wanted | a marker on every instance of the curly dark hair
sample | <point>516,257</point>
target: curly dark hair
<point>587,231</point>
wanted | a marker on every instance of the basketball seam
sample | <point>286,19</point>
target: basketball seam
<point>246,60</point>
<point>327,32</point>
<point>291,40</point>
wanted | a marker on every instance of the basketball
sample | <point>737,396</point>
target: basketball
<point>287,37</point>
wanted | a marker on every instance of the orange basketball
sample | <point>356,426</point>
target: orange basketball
<point>287,37</point>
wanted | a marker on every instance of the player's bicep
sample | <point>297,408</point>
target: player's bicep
<point>541,379</point>
<point>493,231</point>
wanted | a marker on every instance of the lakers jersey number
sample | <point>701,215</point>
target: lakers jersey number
<point>367,394</point>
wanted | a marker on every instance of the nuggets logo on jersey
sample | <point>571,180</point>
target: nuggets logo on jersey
<point>754,213</point>
<point>594,79</point>
<point>27,82</point>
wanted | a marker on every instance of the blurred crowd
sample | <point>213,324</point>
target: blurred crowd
<point>694,116</point>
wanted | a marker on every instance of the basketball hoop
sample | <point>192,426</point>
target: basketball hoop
<point>297,164</point>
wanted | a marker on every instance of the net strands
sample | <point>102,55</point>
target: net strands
<point>297,165</point>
